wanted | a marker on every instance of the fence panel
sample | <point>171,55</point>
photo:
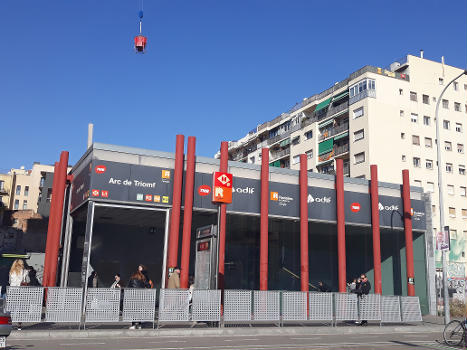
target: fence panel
<point>390,309</point>
<point>174,305</point>
<point>266,305</point>
<point>370,307</point>
<point>346,306</point>
<point>294,306</point>
<point>103,305</point>
<point>206,305</point>
<point>321,308</point>
<point>410,309</point>
<point>139,305</point>
<point>64,304</point>
<point>237,305</point>
<point>25,303</point>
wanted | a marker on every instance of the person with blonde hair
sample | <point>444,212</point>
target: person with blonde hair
<point>19,275</point>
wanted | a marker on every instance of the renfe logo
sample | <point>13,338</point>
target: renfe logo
<point>355,207</point>
<point>204,190</point>
<point>100,169</point>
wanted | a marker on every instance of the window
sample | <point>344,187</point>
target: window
<point>417,183</point>
<point>415,140</point>
<point>430,187</point>
<point>357,113</point>
<point>402,135</point>
<point>401,113</point>
<point>433,212</point>
<point>426,99</point>
<point>426,120</point>
<point>453,234</point>
<point>464,213</point>
<point>296,159</point>
<point>449,167</point>
<point>457,106</point>
<point>428,142</point>
<point>413,96</point>
<point>41,184</point>
<point>446,124</point>
<point>309,154</point>
<point>458,127</point>
<point>16,207</point>
<point>252,160</point>
<point>416,162</point>
<point>455,86</point>
<point>359,157</point>
<point>414,118</point>
<point>465,86</point>
<point>445,104</point>
<point>403,158</point>
<point>359,135</point>
<point>49,194</point>
<point>309,134</point>
<point>26,191</point>
<point>447,146</point>
<point>460,148</point>
<point>429,164</point>
<point>451,190</point>
<point>18,190</point>
<point>25,205</point>
<point>361,86</point>
<point>441,81</point>
<point>452,212</point>
<point>296,140</point>
<point>461,169</point>
<point>401,92</point>
<point>463,191</point>
<point>2,185</point>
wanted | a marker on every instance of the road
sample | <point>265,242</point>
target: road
<point>381,341</point>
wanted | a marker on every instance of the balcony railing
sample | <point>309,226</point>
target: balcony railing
<point>334,131</point>
<point>341,149</point>
<point>284,135</point>
<point>280,154</point>
<point>347,169</point>
<point>323,115</point>
<point>362,95</point>
<point>4,190</point>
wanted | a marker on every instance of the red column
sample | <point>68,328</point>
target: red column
<point>304,271</point>
<point>375,228</point>
<point>408,233</point>
<point>188,212</point>
<point>172,253</point>
<point>263,251</point>
<point>340,225</point>
<point>223,167</point>
<point>55,221</point>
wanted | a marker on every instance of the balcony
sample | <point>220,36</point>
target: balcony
<point>326,114</point>
<point>284,135</point>
<point>278,155</point>
<point>362,95</point>
<point>338,150</point>
<point>4,191</point>
<point>334,131</point>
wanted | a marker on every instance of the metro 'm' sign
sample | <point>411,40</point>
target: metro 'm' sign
<point>221,187</point>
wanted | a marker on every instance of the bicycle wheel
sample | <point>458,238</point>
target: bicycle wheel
<point>453,333</point>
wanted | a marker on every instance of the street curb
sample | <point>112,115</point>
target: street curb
<point>190,332</point>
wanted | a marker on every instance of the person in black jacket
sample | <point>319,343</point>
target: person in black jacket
<point>363,289</point>
<point>137,280</point>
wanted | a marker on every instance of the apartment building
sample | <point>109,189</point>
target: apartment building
<point>382,116</point>
<point>5,190</point>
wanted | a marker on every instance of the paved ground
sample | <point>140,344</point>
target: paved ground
<point>259,342</point>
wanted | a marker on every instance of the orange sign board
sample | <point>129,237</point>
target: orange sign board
<point>222,187</point>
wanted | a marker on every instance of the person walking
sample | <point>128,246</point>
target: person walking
<point>19,276</point>
<point>117,282</point>
<point>145,272</point>
<point>93,281</point>
<point>138,280</point>
<point>323,287</point>
<point>174,279</point>
<point>352,286</point>
<point>363,289</point>
<point>32,275</point>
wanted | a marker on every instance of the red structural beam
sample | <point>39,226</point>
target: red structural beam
<point>375,228</point>
<point>55,221</point>
<point>408,233</point>
<point>188,212</point>
<point>263,254</point>
<point>223,167</point>
<point>340,225</point>
<point>172,253</point>
<point>303,180</point>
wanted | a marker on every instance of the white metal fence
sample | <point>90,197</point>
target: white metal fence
<point>101,305</point>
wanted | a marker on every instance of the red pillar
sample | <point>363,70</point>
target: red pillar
<point>263,252</point>
<point>55,221</point>
<point>172,253</point>
<point>304,271</point>
<point>375,228</point>
<point>223,167</point>
<point>188,212</point>
<point>340,225</point>
<point>408,233</point>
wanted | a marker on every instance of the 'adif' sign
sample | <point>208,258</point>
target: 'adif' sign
<point>222,187</point>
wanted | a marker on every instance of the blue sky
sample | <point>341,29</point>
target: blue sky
<point>213,69</point>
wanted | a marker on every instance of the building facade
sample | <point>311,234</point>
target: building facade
<point>384,117</point>
<point>5,191</point>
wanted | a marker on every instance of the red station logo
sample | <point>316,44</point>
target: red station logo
<point>105,194</point>
<point>204,190</point>
<point>95,193</point>
<point>100,169</point>
<point>355,207</point>
<point>222,187</point>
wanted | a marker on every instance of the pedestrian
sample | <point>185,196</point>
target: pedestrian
<point>138,280</point>
<point>117,282</point>
<point>19,276</point>
<point>364,288</point>
<point>352,286</point>
<point>93,281</point>
<point>191,282</point>
<point>323,287</point>
<point>174,279</point>
<point>32,275</point>
<point>145,272</point>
